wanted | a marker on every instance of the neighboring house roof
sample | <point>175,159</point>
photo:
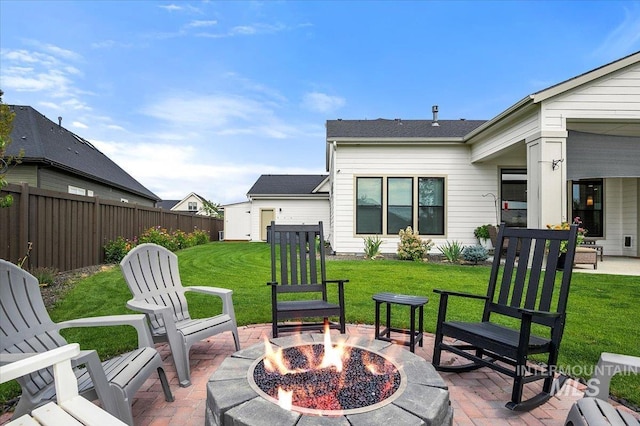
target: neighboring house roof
<point>44,141</point>
<point>182,202</point>
<point>400,129</point>
<point>286,185</point>
<point>167,204</point>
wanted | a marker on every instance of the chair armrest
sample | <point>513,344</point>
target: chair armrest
<point>222,293</point>
<point>460,294</point>
<point>608,366</point>
<point>272,283</point>
<point>536,313</point>
<point>32,362</point>
<point>215,291</point>
<point>136,321</point>
<point>336,281</point>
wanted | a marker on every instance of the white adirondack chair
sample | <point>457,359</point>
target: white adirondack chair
<point>594,409</point>
<point>151,272</point>
<point>70,408</point>
<point>26,328</point>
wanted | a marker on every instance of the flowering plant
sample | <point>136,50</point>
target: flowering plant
<point>565,226</point>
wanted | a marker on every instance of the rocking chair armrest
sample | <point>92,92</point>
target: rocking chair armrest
<point>137,321</point>
<point>536,313</point>
<point>272,283</point>
<point>336,281</point>
<point>460,294</point>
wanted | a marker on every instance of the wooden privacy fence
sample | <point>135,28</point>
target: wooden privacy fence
<point>69,231</point>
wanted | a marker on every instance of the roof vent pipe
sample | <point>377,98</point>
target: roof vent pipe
<point>434,110</point>
<point>59,121</point>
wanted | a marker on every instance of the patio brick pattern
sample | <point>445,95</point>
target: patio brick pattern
<point>477,397</point>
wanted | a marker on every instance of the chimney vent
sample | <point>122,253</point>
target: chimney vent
<point>434,110</point>
<point>59,121</point>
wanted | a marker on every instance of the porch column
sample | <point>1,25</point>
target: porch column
<point>546,178</point>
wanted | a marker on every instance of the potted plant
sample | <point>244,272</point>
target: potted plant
<point>482,234</point>
<point>563,244</point>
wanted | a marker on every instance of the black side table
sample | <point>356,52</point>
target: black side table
<point>401,299</point>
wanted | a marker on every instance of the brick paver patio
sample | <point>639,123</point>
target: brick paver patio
<point>477,397</point>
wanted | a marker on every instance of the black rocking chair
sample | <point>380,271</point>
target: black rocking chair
<point>298,280</point>
<point>523,287</point>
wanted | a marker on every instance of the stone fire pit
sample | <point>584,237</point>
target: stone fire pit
<point>231,400</point>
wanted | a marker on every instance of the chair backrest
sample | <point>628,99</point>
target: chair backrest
<point>529,279</point>
<point>297,257</point>
<point>25,325</point>
<point>151,272</point>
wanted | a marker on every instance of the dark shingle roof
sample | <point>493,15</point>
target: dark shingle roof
<point>167,204</point>
<point>47,142</point>
<point>286,184</point>
<point>384,128</point>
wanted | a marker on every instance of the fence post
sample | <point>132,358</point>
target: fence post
<point>23,222</point>
<point>97,231</point>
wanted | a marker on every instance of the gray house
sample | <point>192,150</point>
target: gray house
<point>59,160</point>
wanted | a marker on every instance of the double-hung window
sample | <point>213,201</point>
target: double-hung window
<point>385,205</point>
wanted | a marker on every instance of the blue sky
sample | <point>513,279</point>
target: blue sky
<point>207,96</point>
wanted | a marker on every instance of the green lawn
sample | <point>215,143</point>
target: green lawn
<point>603,314</point>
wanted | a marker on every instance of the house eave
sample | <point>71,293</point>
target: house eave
<point>523,104</point>
<point>54,164</point>
<point>318,195</point>
<point>395,141</point>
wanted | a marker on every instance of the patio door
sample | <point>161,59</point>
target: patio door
<point>266,216</point>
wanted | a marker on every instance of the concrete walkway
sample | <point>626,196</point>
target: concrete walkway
<point>477,397</point>
<point>614,265</point>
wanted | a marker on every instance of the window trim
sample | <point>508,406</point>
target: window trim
<point>414,210</point>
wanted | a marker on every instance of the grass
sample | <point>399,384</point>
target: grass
<point>603,314</point>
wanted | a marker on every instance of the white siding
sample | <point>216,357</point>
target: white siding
<point>291,211</point>
<point>616,96</point>
<point>464,184</point>
<point>237,222</point>
<point>505,138</point>
<point>620,216</point>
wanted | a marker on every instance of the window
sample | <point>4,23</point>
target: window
<point>193,206</point>
<point>431,206</point>
<point>399,204</point>
<point>369,206</point>
<point>513,191</point>
<point>77,191</point>
<point>389,204</point>
<point>587,203</point>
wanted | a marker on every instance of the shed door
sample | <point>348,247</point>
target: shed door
<point>266,216</point>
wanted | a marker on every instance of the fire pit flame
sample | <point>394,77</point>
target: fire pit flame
<point>326,378</point>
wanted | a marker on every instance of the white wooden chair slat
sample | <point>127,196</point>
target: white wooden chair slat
<point>70,409</point>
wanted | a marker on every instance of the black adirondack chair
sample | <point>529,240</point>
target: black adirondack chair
<point>524,288</point>
<point>298,280</point>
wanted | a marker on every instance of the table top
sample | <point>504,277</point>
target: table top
<point>401,299</point>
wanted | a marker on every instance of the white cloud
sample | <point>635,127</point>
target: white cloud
<point>199,24</point>
<point>170,7</point>
<point>79,125</point>
<point>321,102</point>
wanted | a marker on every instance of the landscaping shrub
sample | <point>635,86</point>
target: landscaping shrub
<point>452,250</point>
<point>475,254</point>
<point>116,250</point>
<point>372,247</point>
<point>160,236</point>
<point>411,246</point>
<point>46,276</point>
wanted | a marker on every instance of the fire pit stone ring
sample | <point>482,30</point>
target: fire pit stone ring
<point>231,400</point>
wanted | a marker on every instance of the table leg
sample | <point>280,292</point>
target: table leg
<point>412,338</point>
